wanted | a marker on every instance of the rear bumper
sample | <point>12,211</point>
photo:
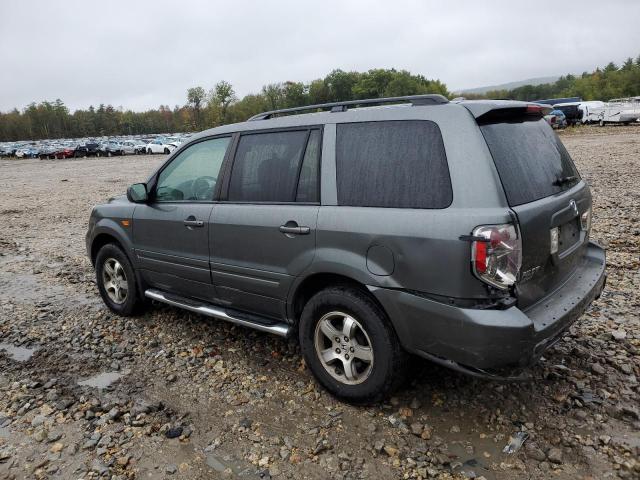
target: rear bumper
<point>482,339</point>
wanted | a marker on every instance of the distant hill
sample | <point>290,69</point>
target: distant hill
<point>510,85</point>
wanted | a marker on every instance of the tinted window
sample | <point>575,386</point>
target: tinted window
<point>308,185</point>
<point>192,175</point>
<point>530,160</point>
<point>266,167</point>
<point>392,164</point>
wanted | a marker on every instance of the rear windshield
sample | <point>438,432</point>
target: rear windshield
<point>530,158</point>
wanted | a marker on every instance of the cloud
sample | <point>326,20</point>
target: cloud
<point>140,54</point>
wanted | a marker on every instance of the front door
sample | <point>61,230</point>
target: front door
<point>264,233</point>
<point>171,232</point>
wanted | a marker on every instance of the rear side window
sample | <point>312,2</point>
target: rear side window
<point>400,164</point>
<point>530,159</point>
<point>266,167</point>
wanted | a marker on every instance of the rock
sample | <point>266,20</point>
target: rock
<point>114,413</point>
<point>170,469</point>
<point>391,450</point>
<point>89,444</point>
<point>38,420</point>
<point>454,429</point>
<point>597,368</point>
<point>99,467</point>
<point>378,445</point>
<point>171,378</point>
<point>173,432</point>
<point>619,334</point>
<point>416,428</point>
<point>40,435</point>
<point>534,452</point>
<point>245,422</point>
<point>4,456</point>
<point>554,455</point>
<point>264,461</point>
<point>426,433</point>
<point>56,447</point>
<point>54,437</point>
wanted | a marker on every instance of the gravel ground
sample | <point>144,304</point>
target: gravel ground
<point>85,394</point>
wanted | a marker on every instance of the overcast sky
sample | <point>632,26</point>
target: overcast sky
<point>142,53</point>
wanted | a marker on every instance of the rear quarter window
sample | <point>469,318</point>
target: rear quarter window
<point>530,159</point>
<point>396,164</point>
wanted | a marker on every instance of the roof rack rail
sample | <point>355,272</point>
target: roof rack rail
<point>429,99</point>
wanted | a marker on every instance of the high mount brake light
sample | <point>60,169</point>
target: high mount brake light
<point>497,259</point>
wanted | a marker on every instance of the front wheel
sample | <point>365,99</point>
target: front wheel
<point>350,346</point>
<point>117,281</point>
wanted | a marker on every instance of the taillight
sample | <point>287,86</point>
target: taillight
<point>497,259</point>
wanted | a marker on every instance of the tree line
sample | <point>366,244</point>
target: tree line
<point>206,109</point>
<point>220,105</point>
<point>612,81</point>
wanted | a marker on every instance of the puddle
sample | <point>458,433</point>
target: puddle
<point>226,464</point>
<point>103,380</point>
<point>19,354</point>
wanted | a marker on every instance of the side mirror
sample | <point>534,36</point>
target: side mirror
<point>137,193</point>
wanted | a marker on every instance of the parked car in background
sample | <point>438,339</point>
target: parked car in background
<point>571,111</point>
<point>141,146</point>
<point>455,231</point>
<point>160,145</point>
<point>556,119</point>
<point>88,149</point>
<point>589,111</point>
<point>48,151</point>
<point>129,147</point>
<point>114,148</point>
<point>65,151</point>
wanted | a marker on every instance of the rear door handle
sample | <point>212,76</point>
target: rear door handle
<point>294,230</point>
<point>191,222</point>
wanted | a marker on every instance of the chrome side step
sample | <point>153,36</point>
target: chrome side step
<point>281,329</point>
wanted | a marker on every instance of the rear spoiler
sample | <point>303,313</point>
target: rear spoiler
<point>487,111</point>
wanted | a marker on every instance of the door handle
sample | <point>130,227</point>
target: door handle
<point>191,222</point>
<point>294,230</point>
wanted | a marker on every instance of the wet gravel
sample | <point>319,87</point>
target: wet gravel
<point>86,394</point>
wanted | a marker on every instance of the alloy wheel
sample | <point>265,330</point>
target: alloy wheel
<point>114,281</point>
<point>343,348</point>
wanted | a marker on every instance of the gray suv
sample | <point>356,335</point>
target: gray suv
<point>455,231</point>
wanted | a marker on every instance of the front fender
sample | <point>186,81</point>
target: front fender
<point>115,229</point>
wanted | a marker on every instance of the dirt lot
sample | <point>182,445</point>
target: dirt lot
<point>182,396</point>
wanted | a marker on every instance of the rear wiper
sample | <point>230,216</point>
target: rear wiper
<point>562,180</point>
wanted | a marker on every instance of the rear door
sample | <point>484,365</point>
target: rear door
<point>264,231</point>
<point>546,193</point>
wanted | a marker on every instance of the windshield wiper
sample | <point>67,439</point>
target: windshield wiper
<point>562,180</point>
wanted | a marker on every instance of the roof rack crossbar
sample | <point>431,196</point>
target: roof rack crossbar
<point>429,99</point>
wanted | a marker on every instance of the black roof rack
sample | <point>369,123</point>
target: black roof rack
<point>430,99</point>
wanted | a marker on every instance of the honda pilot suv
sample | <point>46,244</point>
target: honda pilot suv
<point>371,229</point>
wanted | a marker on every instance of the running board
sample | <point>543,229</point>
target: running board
<point>278,328</point>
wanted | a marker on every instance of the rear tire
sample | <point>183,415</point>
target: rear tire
<point>116,281</point>
<point>350,346</point>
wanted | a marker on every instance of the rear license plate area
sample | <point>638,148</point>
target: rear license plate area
<point>568,235</point>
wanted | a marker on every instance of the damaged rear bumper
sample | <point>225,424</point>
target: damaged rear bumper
<point>473,340</point>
